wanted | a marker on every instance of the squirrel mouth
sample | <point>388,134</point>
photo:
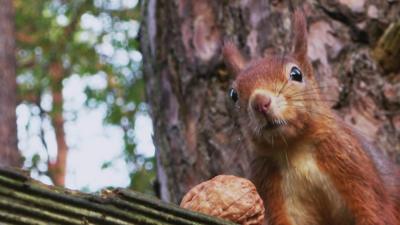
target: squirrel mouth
<point>276,123</point>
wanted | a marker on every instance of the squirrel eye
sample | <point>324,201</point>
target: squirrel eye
<point>233,94</point>
<point>296,75</point>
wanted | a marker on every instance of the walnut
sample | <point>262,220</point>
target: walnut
<point>228,197</point>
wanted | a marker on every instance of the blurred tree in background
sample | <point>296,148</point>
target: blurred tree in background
<point>9,156</point>
<point>92,39</point>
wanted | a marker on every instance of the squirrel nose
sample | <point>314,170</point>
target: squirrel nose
<point>261,103</point>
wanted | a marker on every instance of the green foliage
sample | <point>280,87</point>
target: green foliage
<point>146,171</point>
<point>88,38</point>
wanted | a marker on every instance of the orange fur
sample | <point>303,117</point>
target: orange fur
<point>310,167</point>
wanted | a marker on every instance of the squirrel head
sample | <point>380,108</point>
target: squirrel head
<point>277,94</point>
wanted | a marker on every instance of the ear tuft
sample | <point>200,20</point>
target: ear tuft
<point>299,28</point>
<point>233,57</point>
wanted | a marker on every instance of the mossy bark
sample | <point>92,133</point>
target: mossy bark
<point>387,52</point>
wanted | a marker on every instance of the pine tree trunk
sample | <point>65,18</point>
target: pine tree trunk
<point>196,131</point>
<point>57,169</point>
<point>9,154</point>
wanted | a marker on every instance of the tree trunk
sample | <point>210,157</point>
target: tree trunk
<point>57,169</point>
<point>9,154</point>
<point>196,131</point>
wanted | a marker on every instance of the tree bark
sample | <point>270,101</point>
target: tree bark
<point>196,129</point>
<point>9,154</point>
<point>387,51</point>
<point>57,169</point>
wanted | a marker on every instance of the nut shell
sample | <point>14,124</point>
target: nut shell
<point>228,197</point>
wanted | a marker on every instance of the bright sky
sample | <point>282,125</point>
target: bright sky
<point>91,142</point>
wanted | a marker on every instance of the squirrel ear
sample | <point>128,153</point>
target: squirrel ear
<point>299,27</point>
<point>233,57</point>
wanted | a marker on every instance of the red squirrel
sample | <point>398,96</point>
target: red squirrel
<point>310,167</point>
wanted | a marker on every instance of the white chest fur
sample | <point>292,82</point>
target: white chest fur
<point>310,197</point>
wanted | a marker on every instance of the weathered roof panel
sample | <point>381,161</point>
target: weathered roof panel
<point>26,201</point>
